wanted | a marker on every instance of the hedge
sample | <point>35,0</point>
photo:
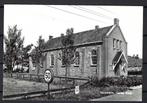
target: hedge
<point>116,81</point>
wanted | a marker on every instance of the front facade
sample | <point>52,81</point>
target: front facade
<point>100,52</point>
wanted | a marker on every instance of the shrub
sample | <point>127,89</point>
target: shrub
<point>116,81</point>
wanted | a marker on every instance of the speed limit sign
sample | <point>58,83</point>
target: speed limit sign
<point>48,75</point>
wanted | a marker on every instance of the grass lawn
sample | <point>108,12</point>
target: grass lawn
<point>16,86</point>
<point>86,93</point>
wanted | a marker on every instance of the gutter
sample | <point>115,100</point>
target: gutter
<point>78,45</point>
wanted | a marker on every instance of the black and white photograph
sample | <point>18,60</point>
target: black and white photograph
<point>72,52</point>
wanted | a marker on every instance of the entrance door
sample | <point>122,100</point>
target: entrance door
<point>118,68</point>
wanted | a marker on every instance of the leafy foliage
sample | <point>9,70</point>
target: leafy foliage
<point>15,53</point>
<point>26,50</point>
<point>37,55</point>
<point>68,50</point>
<point>116,81</point>
<point>13,47</point>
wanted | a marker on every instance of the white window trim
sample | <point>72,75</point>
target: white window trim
<point>114,43</point>
<point>79,59</point>
<point>91,63</point>
<point>120,44</point>
<point>51,60</point>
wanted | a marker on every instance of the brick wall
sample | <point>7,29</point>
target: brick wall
<point>111,52</point>
<point>83,70</point>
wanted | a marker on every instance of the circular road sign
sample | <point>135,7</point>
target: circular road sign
<point>48,75</point>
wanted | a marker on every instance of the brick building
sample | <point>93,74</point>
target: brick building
<point>101,52</point>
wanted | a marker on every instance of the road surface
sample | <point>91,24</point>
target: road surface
<point>130,95</point>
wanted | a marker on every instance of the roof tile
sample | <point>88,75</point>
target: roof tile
<point>80,38</point>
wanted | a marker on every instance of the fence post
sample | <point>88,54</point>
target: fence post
<point>48,94</point>
<point>22,76</point>
<point>11,75</point>
<point>60,82</point>
<point>73,82</point>
<point>30,77</point>
<point>19,76</point>
<point>38,78</point>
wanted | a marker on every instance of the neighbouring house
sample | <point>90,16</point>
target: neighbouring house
<point>100,51</point>
<point>134,64</point>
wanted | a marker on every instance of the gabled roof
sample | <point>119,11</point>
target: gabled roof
<point>117,56</point>
<point>114,26</point>
<point>84,37</point>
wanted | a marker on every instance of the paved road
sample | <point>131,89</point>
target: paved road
<point>130,95</point>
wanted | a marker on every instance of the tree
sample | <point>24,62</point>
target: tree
<point>25,51</point>
<point>25,55</point>
<point>13,47</point>
<point>37,55</point>
<point>68,50</point>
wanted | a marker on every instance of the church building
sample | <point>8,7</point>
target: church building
<point>101,52</point>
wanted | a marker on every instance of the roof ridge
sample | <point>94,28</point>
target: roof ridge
<point>81,37</point>
<point>84,31</point>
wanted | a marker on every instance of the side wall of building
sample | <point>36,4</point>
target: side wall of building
<point>85,69</point>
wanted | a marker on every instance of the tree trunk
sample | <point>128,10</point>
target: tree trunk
<point>67,73</point>
<point>38,68</point>
<point>22,65</point>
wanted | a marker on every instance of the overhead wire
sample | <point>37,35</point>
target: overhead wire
<point>95,12</point>
<point>107,10</point>
<point>75,14</point>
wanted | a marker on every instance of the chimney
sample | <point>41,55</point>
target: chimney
<point>50,37</point>
<point>96,27</point>
<point>116,21</point>
<point>62,35</point>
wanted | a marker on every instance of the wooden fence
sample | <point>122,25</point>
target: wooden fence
<point>40,78</point>
<point>36,93</point>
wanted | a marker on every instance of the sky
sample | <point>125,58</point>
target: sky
<point>45,20</point>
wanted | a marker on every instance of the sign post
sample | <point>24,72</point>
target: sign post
<point>48,93</point>
<point>77,91</point>
<point>48,77</point>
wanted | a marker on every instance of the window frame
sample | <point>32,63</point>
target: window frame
<point>120,44</point>
<point>93,57</point>
<point>77,57</point>
<point>117,44</point>
<point>52,60</point>
<point>114,43</point>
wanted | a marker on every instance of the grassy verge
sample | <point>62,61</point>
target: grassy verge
<point>15,86</point>
<point>86,93</point>
<point>97,88</point>
<point>94,89</point>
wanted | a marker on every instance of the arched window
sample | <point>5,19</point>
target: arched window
<point>117,44</point>
<point>114,43</point>
<point>77,59</point>
<point>120,43</point>
<point>52,60</point>
<point>93,57</point>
